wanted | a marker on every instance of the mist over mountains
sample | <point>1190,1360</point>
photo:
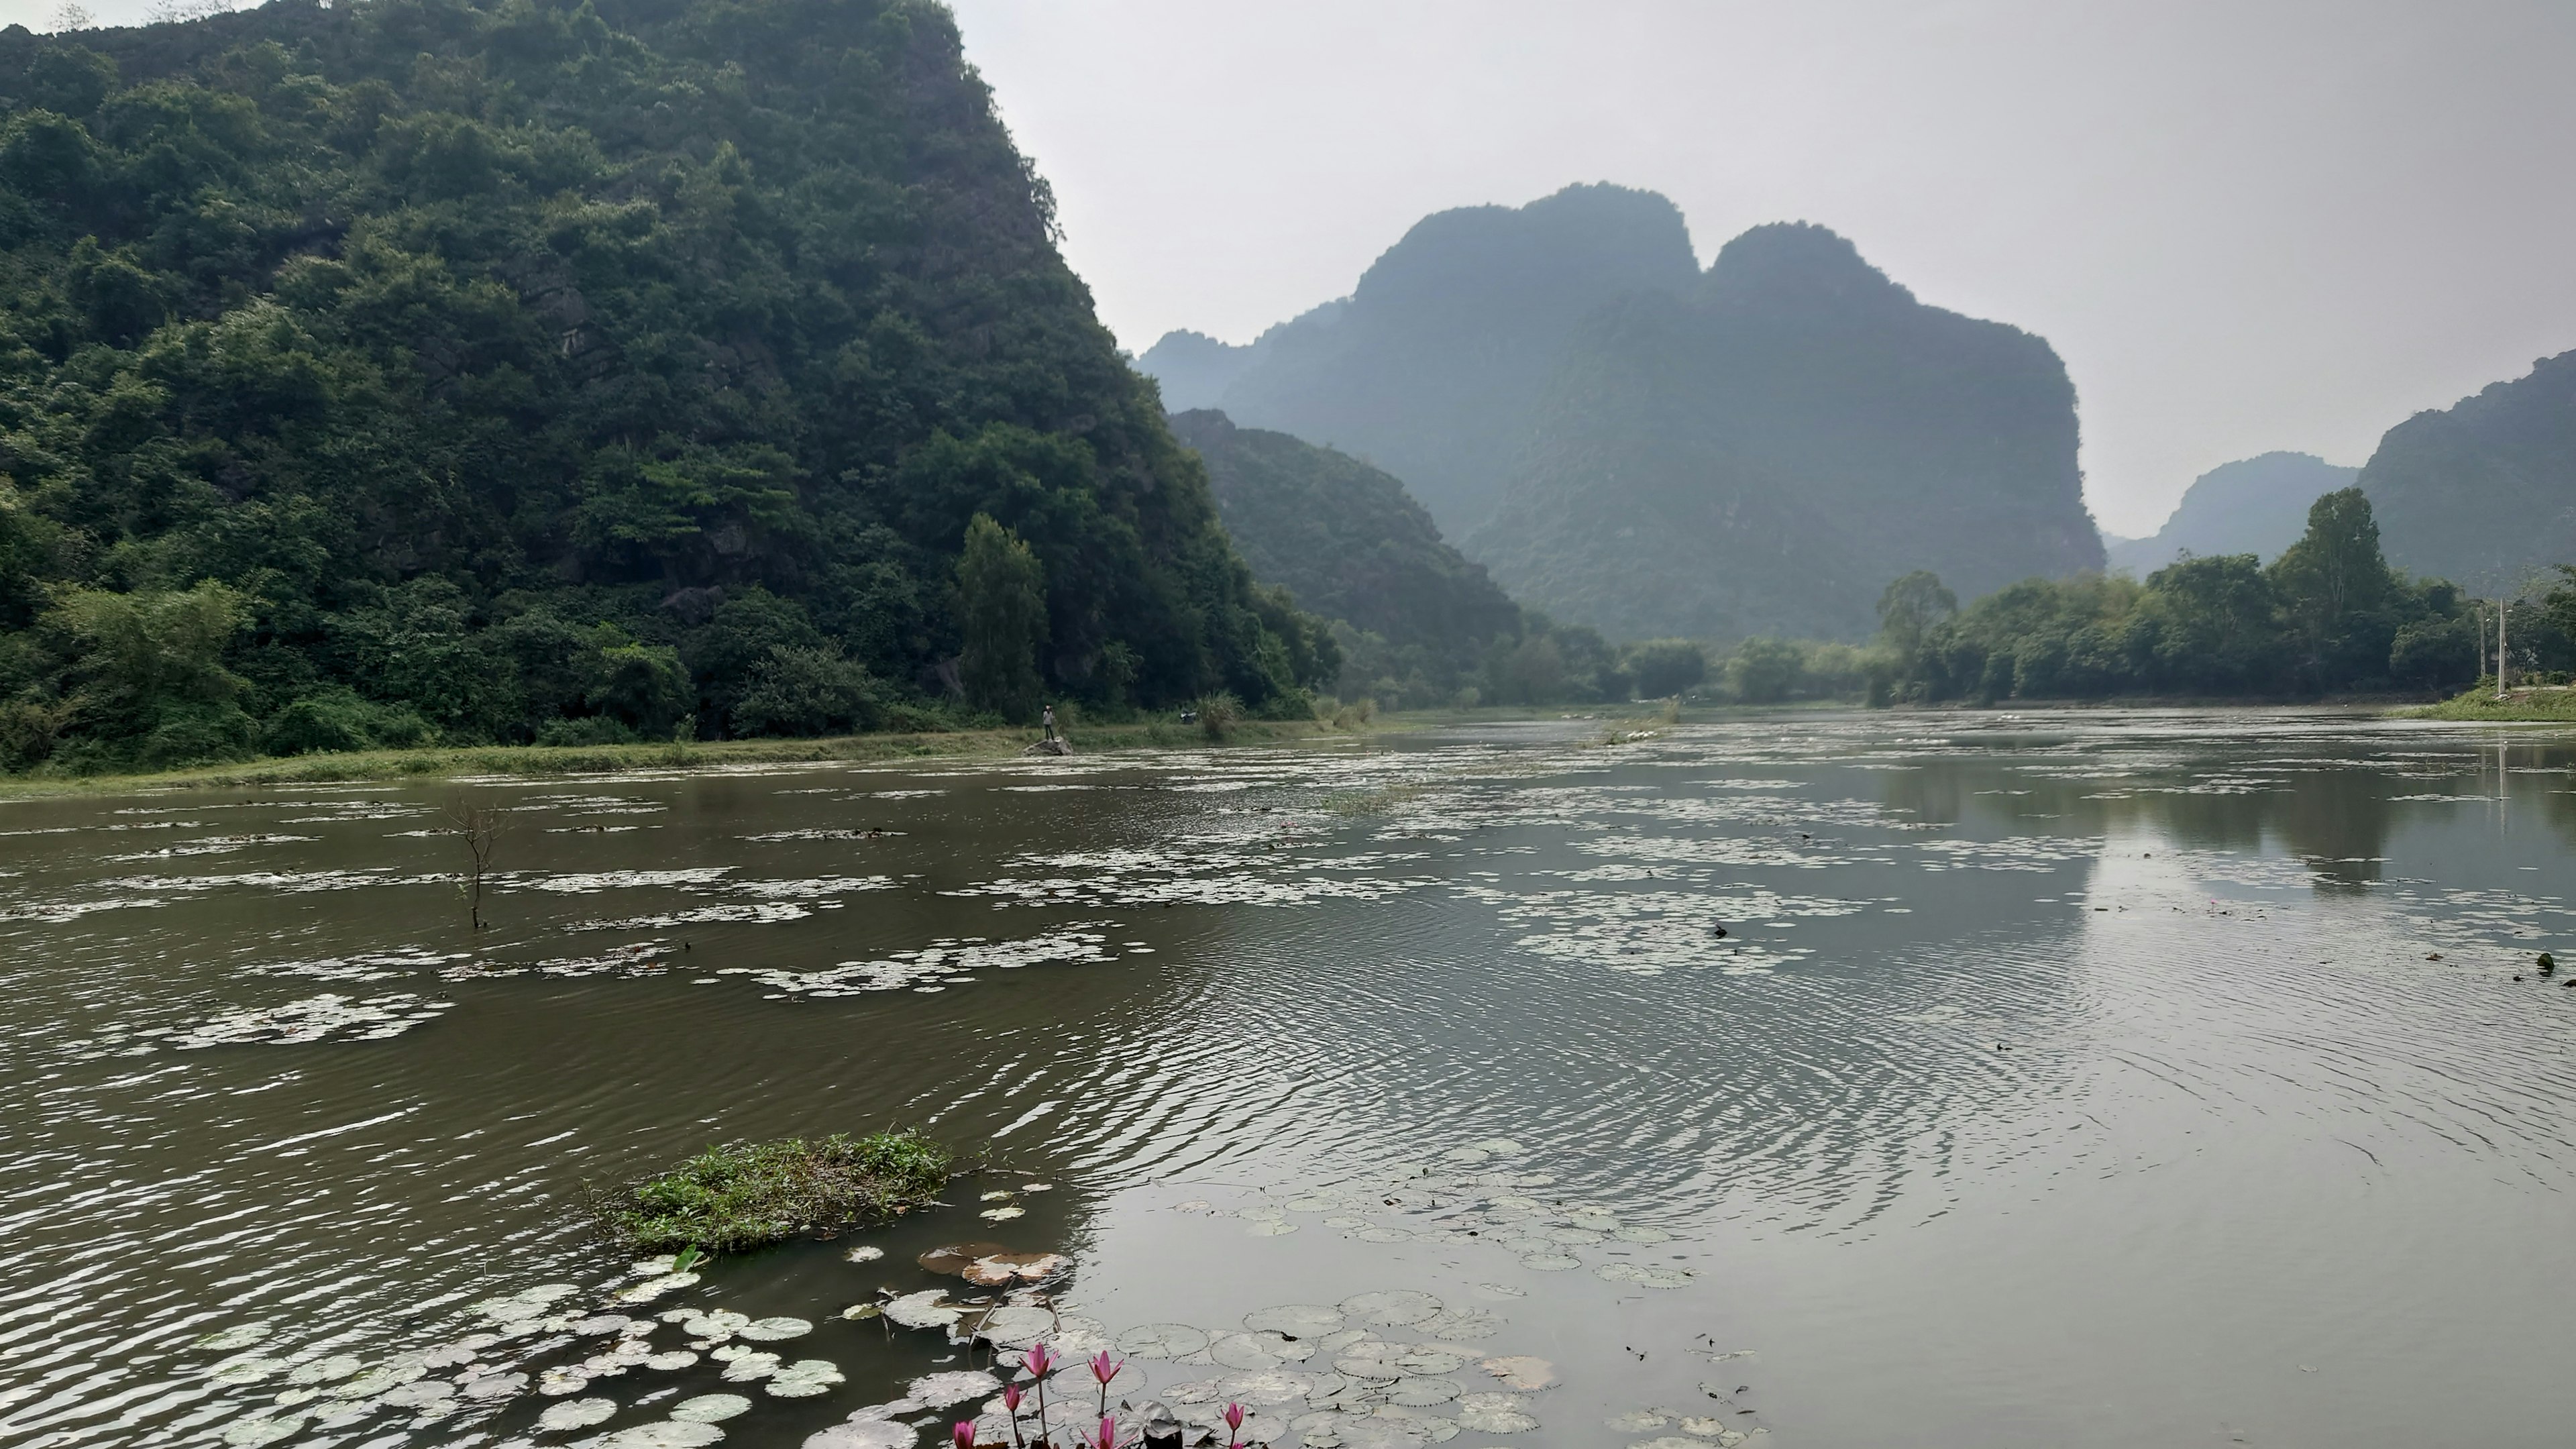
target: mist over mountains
<point>2254,505</point>
<point>1430,367</point>
<point>1632,444</point>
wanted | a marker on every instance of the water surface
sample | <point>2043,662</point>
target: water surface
<point>2104,1078</point>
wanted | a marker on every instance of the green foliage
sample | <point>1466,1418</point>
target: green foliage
<point>565,370</point>
<point>1662,667</point>
<point>1766,671</point>
<point>2328,615</point>
<point>1004,592</point>
<point>1412,617</point>
<point>743,1195</point>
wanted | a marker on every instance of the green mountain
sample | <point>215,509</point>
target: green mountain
<point>2484,492</point>
<point>1761,451</point>
<point>1351,544</point>
<point>2256,505</point>
<point>532,368</point>
<point>1430,367</point>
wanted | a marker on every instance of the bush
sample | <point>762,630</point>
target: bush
<point>1218,715</point>
<point>1664,667</point>
<point>596,729</point>
<point>338,719</point>
<point>812,691</point>
<point>746,1194</point>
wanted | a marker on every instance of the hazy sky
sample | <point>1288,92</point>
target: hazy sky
<point>2244,225</point>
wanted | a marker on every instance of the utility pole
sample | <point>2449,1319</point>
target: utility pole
<point>2503,662</point>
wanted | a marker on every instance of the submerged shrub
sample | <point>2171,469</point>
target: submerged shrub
<point>743,1195</point>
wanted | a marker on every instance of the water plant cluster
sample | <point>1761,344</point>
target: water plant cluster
<point>743,1195</point>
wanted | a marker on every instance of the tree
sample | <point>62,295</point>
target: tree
<point>1766,671</point>
<point>1663,667</point>
<point>1002,610</point>
<point>2336,590</point>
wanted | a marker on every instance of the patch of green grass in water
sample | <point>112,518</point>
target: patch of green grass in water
<point>745,1194</point>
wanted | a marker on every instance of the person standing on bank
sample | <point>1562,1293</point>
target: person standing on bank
<point>1046,717</point>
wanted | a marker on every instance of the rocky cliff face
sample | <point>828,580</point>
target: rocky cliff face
<point>2483,493</point>
<point>1430,367</point>
<point>1763,451</point>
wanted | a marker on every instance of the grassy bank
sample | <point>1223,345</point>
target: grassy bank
<point>548,760</point>
<point>2549,704</point>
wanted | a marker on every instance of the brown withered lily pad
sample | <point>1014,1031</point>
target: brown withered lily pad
<point>954,1259</point>
<point>1008,1270</point>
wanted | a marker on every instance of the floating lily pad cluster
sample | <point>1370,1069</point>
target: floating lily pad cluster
<point>941,963</point>
<point>1386,1370</point>
<point>534,1344</point>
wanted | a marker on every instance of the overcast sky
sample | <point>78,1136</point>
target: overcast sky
<point>2245,225</point>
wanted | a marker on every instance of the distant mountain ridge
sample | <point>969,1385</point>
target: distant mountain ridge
<point>1763,452</point>
<point>2255,505</point>
<point>1430,367</point>
<point>2484,492</point>
<point>1636,445</point>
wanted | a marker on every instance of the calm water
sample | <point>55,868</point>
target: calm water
<point>2115,1079</point>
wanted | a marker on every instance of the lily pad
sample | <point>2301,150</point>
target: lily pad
<point>1004,1270</point>
<point>929,1308</point>
<point>672,1362</point>
<point>557,1382</point>
<point>1003,1214</point>
<point>939,1391</point>
<point>664,1434</point>
<point>576,1414</point>
<point>954,1259</point>
<point>865,1434</point>
<point>1551,1262</point>
<point>1390,1309</point>
<point>1294,1320</point>
<point>1242,1351</point>
<point>1268,1228</point>
<point>1636,1234</point>
<point>751,1366</point>
<point>240,1335</point>
<point>806,1378</point>
<point>1267,1386</point>
<point>246,1368</point>
<point>1524,1372</point>
<point>1162,1340</point>
<point>325,1370</point>
<point>1496,1414</point>
<point>652,1288</point>
<point>262,1429</point>
<point>775,1330</point>
<point>864,1253</point>
<point>710,1408</point>
<point>1636,1421</point>
<point>1013,1325</point>
<point>1424,1393</point>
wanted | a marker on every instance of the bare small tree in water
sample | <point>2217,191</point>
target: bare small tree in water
<point>479,826</point>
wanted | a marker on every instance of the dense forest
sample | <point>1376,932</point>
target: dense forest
<point>566,371</point>
<point>1412,618</point>
<point>2328,615</point>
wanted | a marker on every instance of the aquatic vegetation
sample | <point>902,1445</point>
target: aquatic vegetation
<point>746,1194</point>
<point>940,963</point>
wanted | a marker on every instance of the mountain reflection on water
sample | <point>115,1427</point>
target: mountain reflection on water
<point>2057,1078</point>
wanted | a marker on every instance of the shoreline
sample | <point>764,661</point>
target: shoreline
<point>542,761</point>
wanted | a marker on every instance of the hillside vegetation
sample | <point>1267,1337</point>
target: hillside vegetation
<point>1352,545</point>
<point>566,371</point>
<point>2485,491</point>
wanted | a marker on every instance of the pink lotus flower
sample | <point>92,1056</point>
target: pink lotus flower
<point>1105,1368</point>
<point>1040,1359</point>
<point>1011,1403</point>
<point>965,1434</point>
<point>1108,1429</point>
<point>1234,1426</point>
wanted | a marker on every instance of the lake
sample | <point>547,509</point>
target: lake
<point>1809,1079</point>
